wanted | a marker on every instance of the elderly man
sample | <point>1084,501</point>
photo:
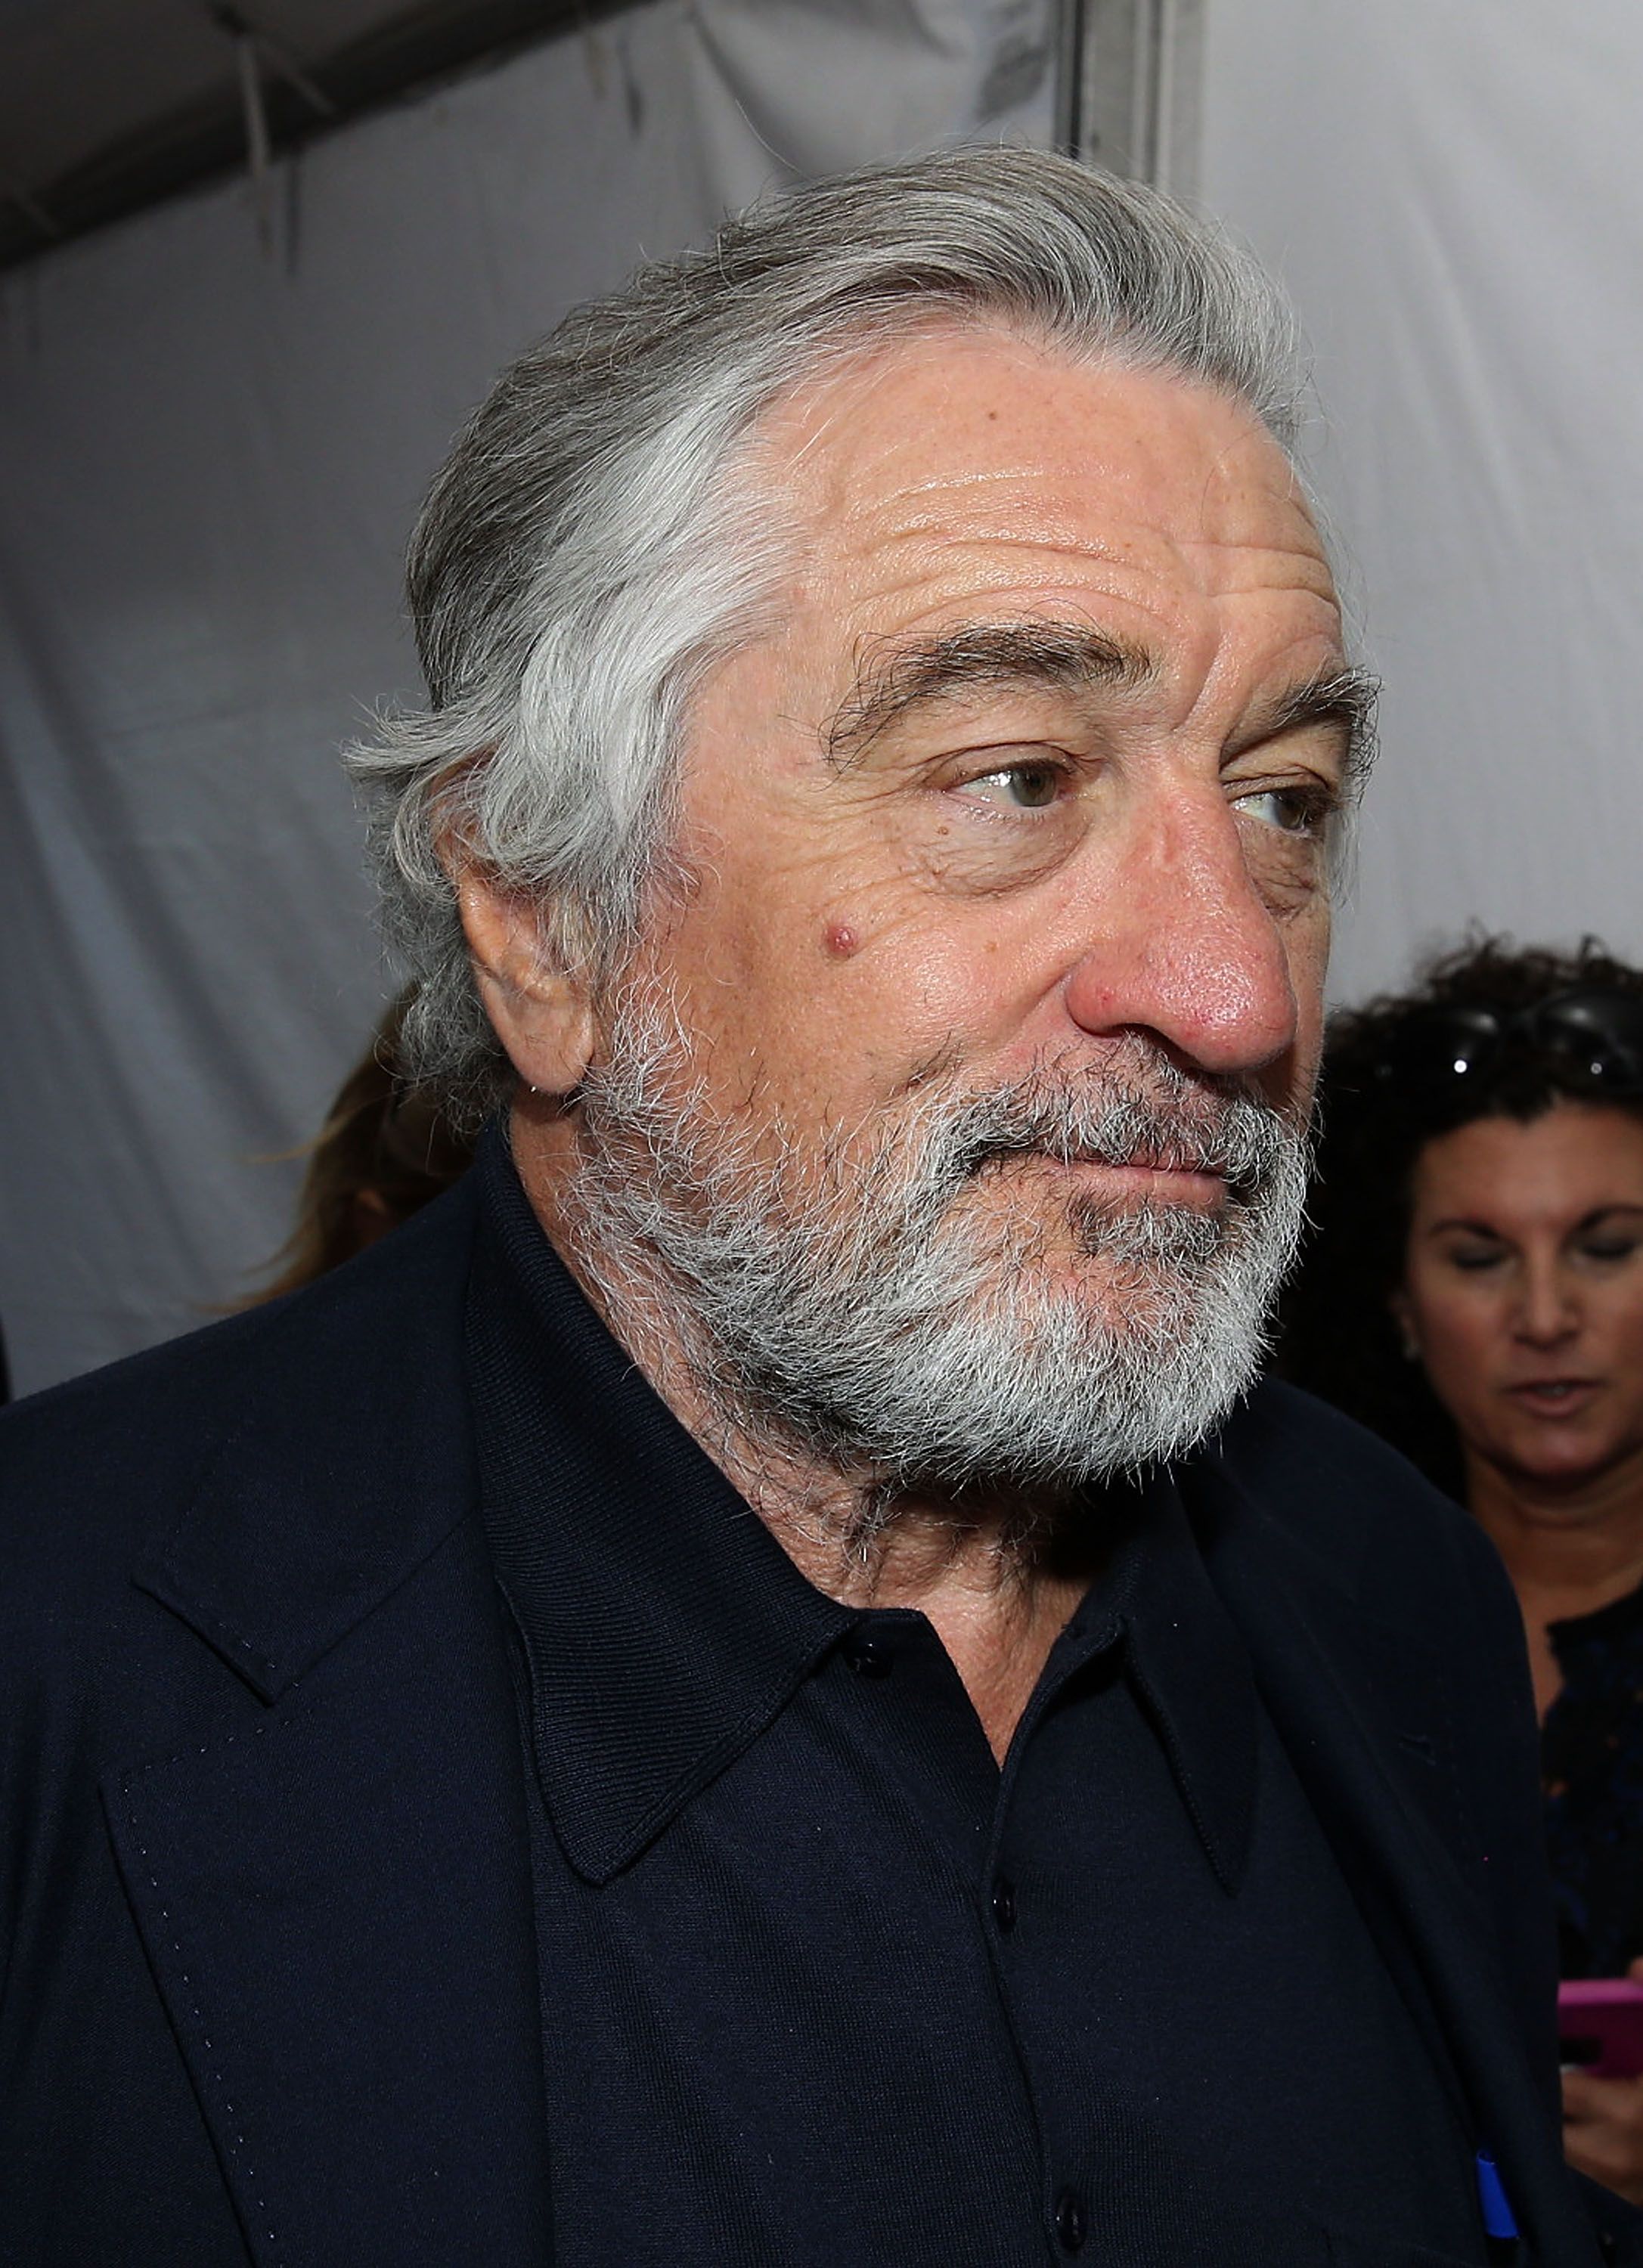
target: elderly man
<point>758,1687</point>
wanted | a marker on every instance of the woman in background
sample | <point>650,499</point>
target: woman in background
<point>384,1151</point>
<point>1474,1292</point>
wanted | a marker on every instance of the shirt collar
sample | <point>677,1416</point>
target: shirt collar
<point>665,1628</point>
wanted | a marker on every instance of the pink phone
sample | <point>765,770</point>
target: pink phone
<point>1600,2026</point>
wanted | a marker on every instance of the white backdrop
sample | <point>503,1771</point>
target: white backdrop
<point>1454,191</point>
<point>208,460</point>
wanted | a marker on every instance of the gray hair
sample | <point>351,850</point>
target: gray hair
<point>594,544</point>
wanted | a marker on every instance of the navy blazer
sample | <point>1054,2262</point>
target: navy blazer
<point>268,1990</point>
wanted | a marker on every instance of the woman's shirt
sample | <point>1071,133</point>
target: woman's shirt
<point>1592,1770</point>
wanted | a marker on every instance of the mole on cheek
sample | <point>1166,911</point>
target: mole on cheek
<point>839,939</point>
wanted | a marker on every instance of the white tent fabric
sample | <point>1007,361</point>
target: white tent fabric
<point>1454,196</point>
<point>209,459</point>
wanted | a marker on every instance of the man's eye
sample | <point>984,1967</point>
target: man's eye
<point>1292,810</point>
<point>1019,787</point>
<point>1609,1248</point>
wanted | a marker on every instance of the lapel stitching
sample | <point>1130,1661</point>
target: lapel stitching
<point>165,1948</point>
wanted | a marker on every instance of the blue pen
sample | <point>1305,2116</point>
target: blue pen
<point>1501,2231</point>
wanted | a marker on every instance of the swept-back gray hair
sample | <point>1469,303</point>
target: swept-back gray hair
<point>596,543</point>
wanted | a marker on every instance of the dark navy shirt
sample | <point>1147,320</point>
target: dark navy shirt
<point>823,1986</point>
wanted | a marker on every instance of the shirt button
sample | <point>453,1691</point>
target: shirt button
<point>1004,1904</point>
<point>1072,2221</point>
<point>866,1655</point>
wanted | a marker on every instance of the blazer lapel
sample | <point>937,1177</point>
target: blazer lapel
<point>336,1903</point>
<point>333,1880</point>
<point>1387,1844</point>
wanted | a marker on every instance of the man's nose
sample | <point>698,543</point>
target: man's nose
<point>1186,946</point>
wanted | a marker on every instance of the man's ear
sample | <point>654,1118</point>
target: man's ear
<point>543,1015</point>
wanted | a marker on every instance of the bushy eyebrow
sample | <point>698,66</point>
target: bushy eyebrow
<point>1343,699</point>
<point>889,684</point>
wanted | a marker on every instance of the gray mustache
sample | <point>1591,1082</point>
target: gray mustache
<point>1240,1141</point>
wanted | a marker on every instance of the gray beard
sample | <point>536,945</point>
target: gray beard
<point>854,1304</point>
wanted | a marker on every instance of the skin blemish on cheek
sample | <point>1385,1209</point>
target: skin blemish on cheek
<point>839,940</point>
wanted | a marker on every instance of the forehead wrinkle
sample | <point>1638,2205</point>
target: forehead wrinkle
<point>1231,686</point>
<point>1304,567</point>
<point>912,507</point>
<point>892,680</point>
<point>1028,476</point>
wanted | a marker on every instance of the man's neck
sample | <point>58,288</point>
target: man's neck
<point>977,1569</point>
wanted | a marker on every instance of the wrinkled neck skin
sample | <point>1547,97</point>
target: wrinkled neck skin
<point>997,1577</point>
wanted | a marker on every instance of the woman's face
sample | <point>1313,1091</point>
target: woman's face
<point>1523,1288</point>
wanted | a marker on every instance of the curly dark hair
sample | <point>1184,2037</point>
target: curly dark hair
<point>1383,1095</point>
